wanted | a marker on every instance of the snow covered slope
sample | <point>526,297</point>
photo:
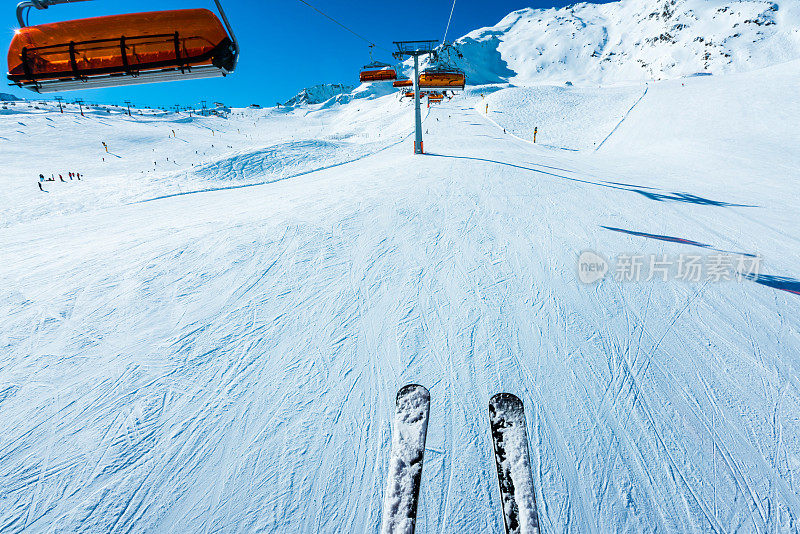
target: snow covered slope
<point>571,118</point>
<point>207,332</point>
<point>157,154</point>
<point>227,360</point>
<point>631,40</point>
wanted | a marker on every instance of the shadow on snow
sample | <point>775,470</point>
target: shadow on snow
<point>660,197</point>
<point>782,283</point>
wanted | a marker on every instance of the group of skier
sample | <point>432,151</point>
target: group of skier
<point>71,175</point>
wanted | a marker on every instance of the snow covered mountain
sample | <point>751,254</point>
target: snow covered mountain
<point>621,42</point>
<point>318,94</point>
<point>6,97</point>
<point>631,40</point>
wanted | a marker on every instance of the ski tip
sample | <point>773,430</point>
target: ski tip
<point>412,388</point>
<point>505,398</point>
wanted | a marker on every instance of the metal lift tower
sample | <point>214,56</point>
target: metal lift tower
<point>415,49</point>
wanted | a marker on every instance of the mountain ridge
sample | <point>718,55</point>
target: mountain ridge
<point>630,41</point>
<point>618,43</point>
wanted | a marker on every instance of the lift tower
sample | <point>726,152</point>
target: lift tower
<point>415,49</point>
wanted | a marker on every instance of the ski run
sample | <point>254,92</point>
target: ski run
<point>167,353</point>
<point>213,330</point>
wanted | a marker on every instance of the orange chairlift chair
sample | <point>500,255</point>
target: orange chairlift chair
<point>376,71</point>
<point>116,50</point>
<point>441,78</point>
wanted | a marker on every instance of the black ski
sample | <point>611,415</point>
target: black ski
<point>409,430</point>
<point>510,440</point>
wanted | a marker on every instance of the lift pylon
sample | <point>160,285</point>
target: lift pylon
<point>415,49</point>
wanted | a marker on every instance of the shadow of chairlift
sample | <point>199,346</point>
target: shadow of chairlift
<point>782,283</point>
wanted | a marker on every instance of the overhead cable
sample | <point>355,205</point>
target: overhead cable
<point>341,24</point>
<point>444,39</point>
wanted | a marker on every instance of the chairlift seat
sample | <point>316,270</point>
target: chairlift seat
<point>121,50</point>
<point>442,78</point>
<point>377,72</point>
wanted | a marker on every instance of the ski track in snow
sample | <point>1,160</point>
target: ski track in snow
<point>228,361</point>
<point>621,120</point>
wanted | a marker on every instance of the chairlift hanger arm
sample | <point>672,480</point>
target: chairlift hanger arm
<point>24,6</point>
<point>413,48</point>
<point>230,31</point>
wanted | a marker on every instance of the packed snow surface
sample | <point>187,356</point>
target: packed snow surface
<point>207,331</point>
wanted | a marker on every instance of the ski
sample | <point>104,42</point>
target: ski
<point>405,465</point>
<point>510,440</point>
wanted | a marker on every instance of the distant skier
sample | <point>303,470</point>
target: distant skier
<point>41,188</point>
<point>79,175</point>
<point>61,178</point>
<point>41,177</point>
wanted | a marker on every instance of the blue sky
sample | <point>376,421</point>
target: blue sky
<point>285,45</point>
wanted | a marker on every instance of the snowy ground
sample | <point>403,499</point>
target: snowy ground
<point>228,360</point>
<point>158,153</point>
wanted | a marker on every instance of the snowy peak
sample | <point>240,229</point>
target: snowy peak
<point>621,42</point>
<point>632,40</point>
<point>318,94</point>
